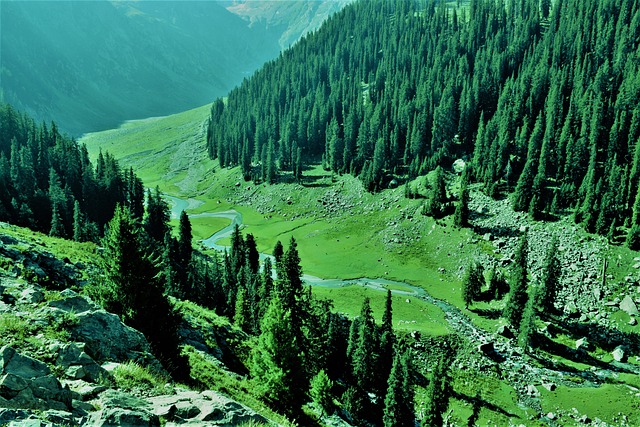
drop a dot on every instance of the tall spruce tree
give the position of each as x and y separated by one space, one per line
398 401
275 363
517 297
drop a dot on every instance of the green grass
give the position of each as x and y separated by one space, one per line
204 227
166 151
131 376
415 315
604 402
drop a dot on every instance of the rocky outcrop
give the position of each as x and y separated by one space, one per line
26 383
210 407
107 338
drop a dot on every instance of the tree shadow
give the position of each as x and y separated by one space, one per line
479 403
489 313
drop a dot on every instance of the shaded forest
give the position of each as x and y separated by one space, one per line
540 99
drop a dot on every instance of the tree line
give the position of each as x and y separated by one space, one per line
540 97
48 183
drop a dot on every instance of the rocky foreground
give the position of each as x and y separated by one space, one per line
61 353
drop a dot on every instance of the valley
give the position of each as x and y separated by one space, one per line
421 213
423 262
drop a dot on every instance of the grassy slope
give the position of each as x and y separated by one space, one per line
356 239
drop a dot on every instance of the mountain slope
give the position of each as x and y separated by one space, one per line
99 63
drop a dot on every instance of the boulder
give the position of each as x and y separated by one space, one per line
122 409
458 166
78 364
72 302
629 306
107 338
619 354
583 344
633 321
31 295
571 309
206 408
12 362
26 383
533 391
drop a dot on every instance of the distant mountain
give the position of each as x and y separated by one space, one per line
94 64
294 18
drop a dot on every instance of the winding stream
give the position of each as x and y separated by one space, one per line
515 367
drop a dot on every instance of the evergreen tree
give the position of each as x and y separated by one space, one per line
527 327
398 402
57 227
461 214
78 223
472 283
633 238
132 289
320 392
548 288
517 298
436 204
276 364
436 395
366 353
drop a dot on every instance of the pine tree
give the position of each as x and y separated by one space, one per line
436 204
276 364
472 283
527 327
366 352
436 395
633 238
320 392
132 289
461 214
517 298
57 227
548 288
79 234
398 402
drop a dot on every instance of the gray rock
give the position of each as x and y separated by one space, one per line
107 338
633 321
122 409
77 363
629 306
28 384
583 344
12 362
619 354
72 302
533 391
571 309
31 295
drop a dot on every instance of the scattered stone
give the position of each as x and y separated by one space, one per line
629 306
533 391
571 309
633 321
549 386
487 237
619 354
551 416
458 166
504 331
77 363
26 383
583 344
31 295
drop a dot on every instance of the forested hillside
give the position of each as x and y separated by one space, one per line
541 98
48 183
